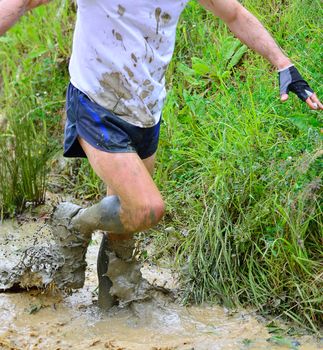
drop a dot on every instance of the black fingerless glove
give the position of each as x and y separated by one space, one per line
291 80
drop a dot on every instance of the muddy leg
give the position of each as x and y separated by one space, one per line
124 269
105 300
135 204
124 245
123 249
72 245
104 215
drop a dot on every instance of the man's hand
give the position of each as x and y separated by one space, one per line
251 32
291 80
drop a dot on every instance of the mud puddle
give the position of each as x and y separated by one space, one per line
32 320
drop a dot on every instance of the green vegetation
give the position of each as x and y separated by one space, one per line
241 173
34 57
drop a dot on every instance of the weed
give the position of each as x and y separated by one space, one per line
33 76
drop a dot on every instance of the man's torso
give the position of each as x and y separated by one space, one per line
121 51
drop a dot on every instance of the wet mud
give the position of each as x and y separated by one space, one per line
55 321
38 255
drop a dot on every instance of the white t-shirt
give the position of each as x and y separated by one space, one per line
121 50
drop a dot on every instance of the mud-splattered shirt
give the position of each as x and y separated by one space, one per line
121 50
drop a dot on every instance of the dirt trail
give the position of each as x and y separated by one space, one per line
32 320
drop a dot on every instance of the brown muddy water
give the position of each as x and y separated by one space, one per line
53 321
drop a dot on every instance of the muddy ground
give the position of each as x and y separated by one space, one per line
58 321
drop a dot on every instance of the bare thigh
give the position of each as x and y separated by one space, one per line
128 177
149 163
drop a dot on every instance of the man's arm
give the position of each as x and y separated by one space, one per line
250 31
12 10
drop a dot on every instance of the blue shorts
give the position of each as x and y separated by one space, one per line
103 129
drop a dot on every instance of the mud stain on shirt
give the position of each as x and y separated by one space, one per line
119 37
131 74
129 71
147 44
144 94
121 10
166 17
117 96
158 12
115 82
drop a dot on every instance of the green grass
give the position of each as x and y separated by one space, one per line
34 58
240 172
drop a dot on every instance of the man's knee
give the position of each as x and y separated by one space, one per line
145 216
156 212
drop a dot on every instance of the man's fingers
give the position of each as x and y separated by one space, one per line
284 97
311 104
314 103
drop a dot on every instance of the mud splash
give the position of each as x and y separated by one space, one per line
47 321
37 254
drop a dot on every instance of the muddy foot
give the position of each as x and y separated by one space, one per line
72 244
128 285
105 299
119 275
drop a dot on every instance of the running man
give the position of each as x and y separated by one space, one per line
121 50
